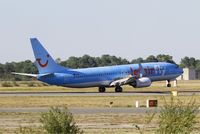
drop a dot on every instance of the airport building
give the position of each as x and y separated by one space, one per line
188 74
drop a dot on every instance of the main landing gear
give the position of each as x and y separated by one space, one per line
118 89
102 89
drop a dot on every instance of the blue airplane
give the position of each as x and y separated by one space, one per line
136 75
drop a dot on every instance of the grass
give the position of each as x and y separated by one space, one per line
83 101
90 123
7 84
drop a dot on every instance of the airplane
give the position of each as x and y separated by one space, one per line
136 75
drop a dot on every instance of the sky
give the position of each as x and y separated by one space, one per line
124 28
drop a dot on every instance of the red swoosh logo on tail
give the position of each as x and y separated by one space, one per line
42 65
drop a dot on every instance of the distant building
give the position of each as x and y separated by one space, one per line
188 74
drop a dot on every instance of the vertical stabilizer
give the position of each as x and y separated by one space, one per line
44 62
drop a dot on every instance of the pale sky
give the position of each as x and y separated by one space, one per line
124 28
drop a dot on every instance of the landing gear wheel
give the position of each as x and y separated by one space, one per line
118 89
102 89
169 85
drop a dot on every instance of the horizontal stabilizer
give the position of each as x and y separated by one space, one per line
46 75
25 74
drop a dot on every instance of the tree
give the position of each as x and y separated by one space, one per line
192 63
198 65
124 61
98 61
9 67
151 58
87 61
165 58
105 60
92 62
188 62
138 60
58 60
1 69
72 62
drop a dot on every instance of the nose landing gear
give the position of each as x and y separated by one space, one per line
168 83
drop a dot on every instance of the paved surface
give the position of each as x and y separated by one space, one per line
132 93
88 110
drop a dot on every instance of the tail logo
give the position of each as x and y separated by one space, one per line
43 65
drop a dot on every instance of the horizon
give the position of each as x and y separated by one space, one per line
99 57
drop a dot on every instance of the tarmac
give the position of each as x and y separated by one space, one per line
132 93
108 110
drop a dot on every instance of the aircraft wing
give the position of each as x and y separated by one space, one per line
122 81
25 74
130 78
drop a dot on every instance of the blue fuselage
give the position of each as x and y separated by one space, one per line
103 76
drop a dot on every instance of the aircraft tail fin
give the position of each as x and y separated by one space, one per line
44 62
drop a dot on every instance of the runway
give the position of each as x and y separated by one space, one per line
132 93
121 110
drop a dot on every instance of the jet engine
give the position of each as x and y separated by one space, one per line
141 82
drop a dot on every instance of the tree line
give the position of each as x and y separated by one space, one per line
89 61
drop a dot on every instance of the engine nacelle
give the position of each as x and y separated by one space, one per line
141 82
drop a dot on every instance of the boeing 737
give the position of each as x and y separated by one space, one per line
136 75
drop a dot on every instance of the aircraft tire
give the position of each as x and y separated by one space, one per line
169 85
118 89
102 89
